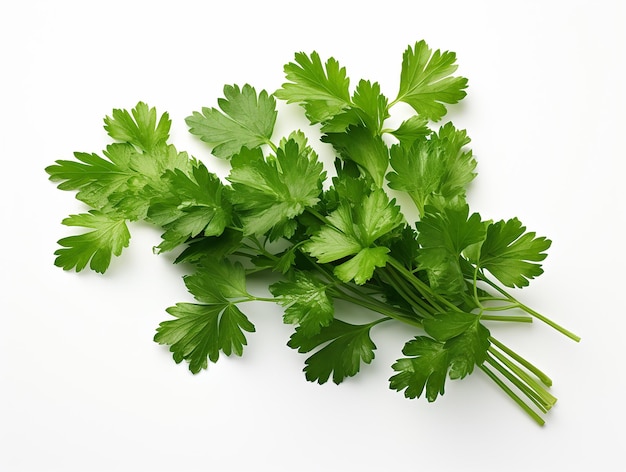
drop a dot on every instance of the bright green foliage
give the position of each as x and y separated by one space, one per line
109 236
460 164
442 272
344 347
119 187
353 231
458 343
433 171
139 127
322 89
217 280
369 108
201 331
269 193
195 204
443 236
369 151
360 268
445 326
124 181
412 129
211 248
418 171
246 120
426 369
511 254
425 81
306 302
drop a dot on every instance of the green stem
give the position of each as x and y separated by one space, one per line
532 413
517 382
547 381
358 292
530 311
547 400
319 216
399 285
375 306
433 298
549 322
508 318
271 145
500 308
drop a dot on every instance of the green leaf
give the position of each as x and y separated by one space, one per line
124 182
216 281
337 239
443 236
286 260
433 171
425 81
323 90
372 105
200 332
444 326
211 248
369 108
346 188
360 145
418 171
306 303
268 194
342 349
353 231
360 268
462 345
452 229
109 237
460 164
426 369
246 120
405 248
193 205
95 178
412 129
511 254
139 127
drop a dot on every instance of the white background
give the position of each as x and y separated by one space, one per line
84 388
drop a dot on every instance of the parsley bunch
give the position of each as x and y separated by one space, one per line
446 276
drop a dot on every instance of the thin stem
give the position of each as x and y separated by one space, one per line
360 293
432 297
399 284
271 145
532 413
521 386
508 318
500 308
547 399
397 100
318 215
375 306
532 312
475 286
549 322
547 381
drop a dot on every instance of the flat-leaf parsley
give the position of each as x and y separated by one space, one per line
444 276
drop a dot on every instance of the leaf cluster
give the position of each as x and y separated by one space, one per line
438 268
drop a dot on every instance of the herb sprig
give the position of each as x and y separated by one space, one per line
446 276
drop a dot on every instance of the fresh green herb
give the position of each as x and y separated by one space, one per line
445 275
